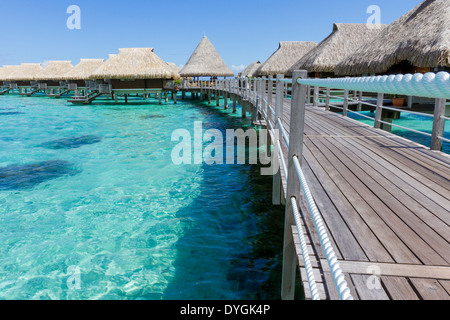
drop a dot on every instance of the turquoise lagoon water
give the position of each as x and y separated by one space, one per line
93 189
412 121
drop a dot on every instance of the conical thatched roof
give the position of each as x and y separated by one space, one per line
25 72
422 37
251 69
206 62
84 69
287 54
345 38
5 71
135 63
174 67
54 71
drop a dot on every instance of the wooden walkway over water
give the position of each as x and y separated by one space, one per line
385 202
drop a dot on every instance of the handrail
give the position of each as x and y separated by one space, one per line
336 271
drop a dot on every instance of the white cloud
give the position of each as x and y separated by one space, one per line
237 69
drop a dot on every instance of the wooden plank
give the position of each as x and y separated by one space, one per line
360 282
393 269
446 285
390 242
417 235
430 289
403 191
399 288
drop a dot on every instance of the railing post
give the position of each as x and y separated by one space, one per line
327 100
316 97
379 110
297 125
360 97
345 109
438 124
277 185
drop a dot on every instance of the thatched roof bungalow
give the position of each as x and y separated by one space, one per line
24 74
53 73
345 38
135 68
419 41
205 61
5 71
287 54
250 71
83 70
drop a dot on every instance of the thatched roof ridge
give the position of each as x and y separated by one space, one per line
345 38
287 54
84 69
54 71
421 36
135 63
205 61
251 69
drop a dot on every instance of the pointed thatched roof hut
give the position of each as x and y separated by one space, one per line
54 71
135 63
419 39
206 62
249 72
287 54
345 38
25 72
84 69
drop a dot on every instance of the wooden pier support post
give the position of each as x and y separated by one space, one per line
379 110
276 184
438 124
225 96
327 100
160 97
244 109
360 98
297 126
345 109
174 96
234 103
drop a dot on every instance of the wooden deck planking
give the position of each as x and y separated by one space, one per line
431 224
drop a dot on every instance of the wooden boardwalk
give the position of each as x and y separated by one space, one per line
385 201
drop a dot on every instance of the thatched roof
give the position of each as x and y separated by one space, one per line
422 37
5 71
25 72
206 62
84 69
174 67
251 69
54 71
287 54
345 38
135 63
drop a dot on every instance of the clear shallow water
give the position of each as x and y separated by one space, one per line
93 187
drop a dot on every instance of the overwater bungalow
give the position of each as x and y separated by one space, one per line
321 61
133 71
205 61
5 85
22 77
78 78
281 60
419 41
52 78
250 71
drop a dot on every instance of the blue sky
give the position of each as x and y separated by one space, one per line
242 31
